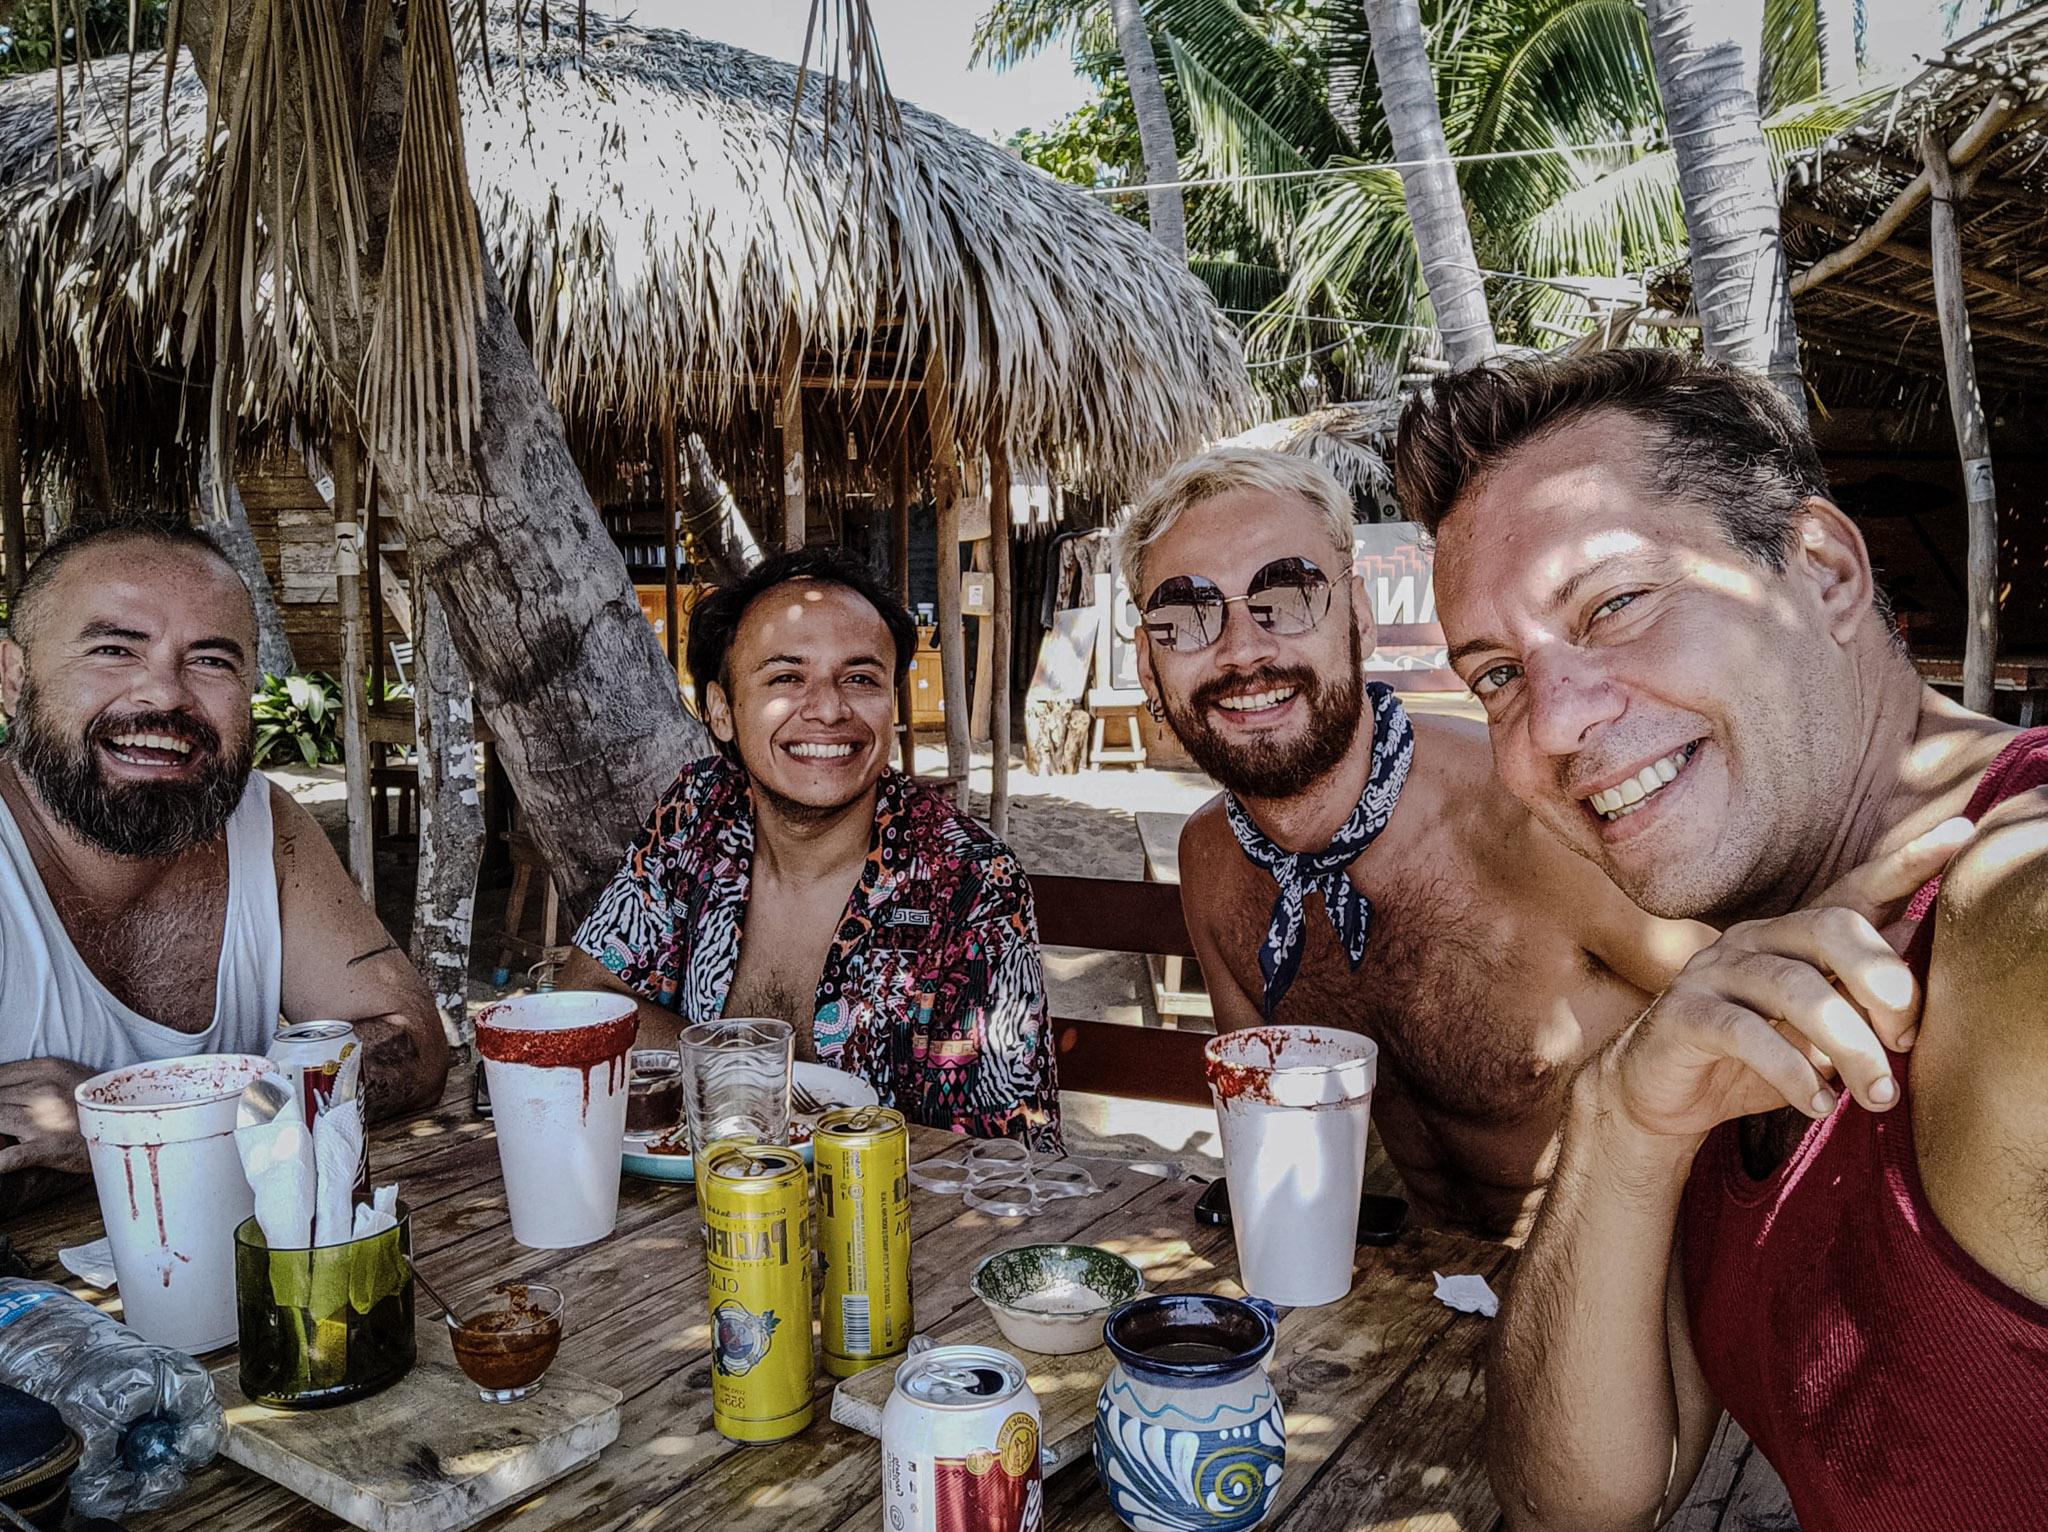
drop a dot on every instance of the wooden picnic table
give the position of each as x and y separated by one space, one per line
1382 1390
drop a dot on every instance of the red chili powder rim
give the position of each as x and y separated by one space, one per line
566 1048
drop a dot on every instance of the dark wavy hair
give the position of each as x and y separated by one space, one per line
715 619
1723 439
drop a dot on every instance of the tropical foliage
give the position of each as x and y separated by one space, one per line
297 716
1551 104
27 42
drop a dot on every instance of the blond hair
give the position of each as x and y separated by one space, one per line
1221 472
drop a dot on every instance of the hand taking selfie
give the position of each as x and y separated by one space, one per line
39 1118
1785 1011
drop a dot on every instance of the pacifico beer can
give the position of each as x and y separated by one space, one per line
755 1202
862 1156
309 1056
960 1445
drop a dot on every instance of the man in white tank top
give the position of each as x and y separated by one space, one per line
157 896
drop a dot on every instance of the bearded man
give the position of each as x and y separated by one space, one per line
158 897
1362 868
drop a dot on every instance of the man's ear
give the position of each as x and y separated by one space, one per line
13 666
1835 560
1362 614
1146 679
718 712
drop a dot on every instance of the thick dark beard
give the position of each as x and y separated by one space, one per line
151 820
1276 772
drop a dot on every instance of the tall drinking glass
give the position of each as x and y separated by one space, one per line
736 1080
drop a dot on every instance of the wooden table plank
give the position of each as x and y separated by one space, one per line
1382 1388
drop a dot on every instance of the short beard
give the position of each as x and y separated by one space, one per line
1279 771
144 820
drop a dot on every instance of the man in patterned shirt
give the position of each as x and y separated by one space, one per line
795 875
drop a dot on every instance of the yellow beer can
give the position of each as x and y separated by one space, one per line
755 1202
862 1155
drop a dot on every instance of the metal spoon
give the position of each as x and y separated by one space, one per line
447 1313
262 1099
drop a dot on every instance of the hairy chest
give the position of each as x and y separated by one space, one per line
1480 1014
160 954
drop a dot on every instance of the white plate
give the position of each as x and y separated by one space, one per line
834 1087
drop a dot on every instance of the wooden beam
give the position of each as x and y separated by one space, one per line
789 420
999 563
346 459
671 513
952 637
1898 250
1878 298
1972 142
13 529
899 570
1973 436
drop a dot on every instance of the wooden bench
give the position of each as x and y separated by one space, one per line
2026 674
1104 1057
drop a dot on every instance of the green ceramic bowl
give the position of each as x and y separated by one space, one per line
1052 1299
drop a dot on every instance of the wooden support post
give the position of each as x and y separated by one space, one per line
1004 603
98 463
451 813
13 530
952 638
671 514
984 655
1973 436
899 571
789 418
346 457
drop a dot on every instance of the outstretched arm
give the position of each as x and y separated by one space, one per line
1601 1418
340 964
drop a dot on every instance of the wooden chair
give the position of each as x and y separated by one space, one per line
1108 1058
551 953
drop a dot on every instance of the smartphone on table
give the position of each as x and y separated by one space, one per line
1380 1218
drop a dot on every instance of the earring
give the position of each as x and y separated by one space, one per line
1156 708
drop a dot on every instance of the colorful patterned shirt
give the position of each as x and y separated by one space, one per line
932 989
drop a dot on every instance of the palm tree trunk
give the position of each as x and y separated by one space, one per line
1834 25
1706 55
1155 127
712 517
225 521
451 816
1429 181
589 721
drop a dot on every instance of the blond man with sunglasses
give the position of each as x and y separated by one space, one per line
1363 868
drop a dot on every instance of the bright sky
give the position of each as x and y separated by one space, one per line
925 47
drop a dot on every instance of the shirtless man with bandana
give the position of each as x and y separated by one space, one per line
1365 869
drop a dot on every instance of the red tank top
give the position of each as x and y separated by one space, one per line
1894 1384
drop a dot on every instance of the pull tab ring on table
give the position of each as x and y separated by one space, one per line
1002 1178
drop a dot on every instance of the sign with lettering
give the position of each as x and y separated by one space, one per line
1398 569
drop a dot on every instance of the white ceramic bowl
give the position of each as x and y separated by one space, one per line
1052 1299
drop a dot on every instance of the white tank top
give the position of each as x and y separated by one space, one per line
53 1006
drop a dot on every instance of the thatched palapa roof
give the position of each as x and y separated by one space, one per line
659 241
1855 228
1353 441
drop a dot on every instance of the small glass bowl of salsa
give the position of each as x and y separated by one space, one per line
506 1336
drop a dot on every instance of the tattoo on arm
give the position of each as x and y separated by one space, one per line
373 952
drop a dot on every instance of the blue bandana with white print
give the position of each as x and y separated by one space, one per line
1300 873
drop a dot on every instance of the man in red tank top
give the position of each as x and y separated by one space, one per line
1810 1183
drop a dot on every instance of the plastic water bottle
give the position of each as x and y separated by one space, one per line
146 1413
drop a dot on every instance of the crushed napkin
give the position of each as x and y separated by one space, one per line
92 1264
378 1214
337 1151
1466 1294
277 1157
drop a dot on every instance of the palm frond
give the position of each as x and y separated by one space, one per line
1011 31
1232 140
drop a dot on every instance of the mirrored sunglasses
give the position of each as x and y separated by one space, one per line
1286 597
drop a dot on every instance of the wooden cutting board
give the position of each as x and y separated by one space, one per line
426 1454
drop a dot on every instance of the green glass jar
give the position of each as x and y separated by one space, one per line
325 1325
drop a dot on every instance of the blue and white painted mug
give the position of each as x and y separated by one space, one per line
1189 1433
